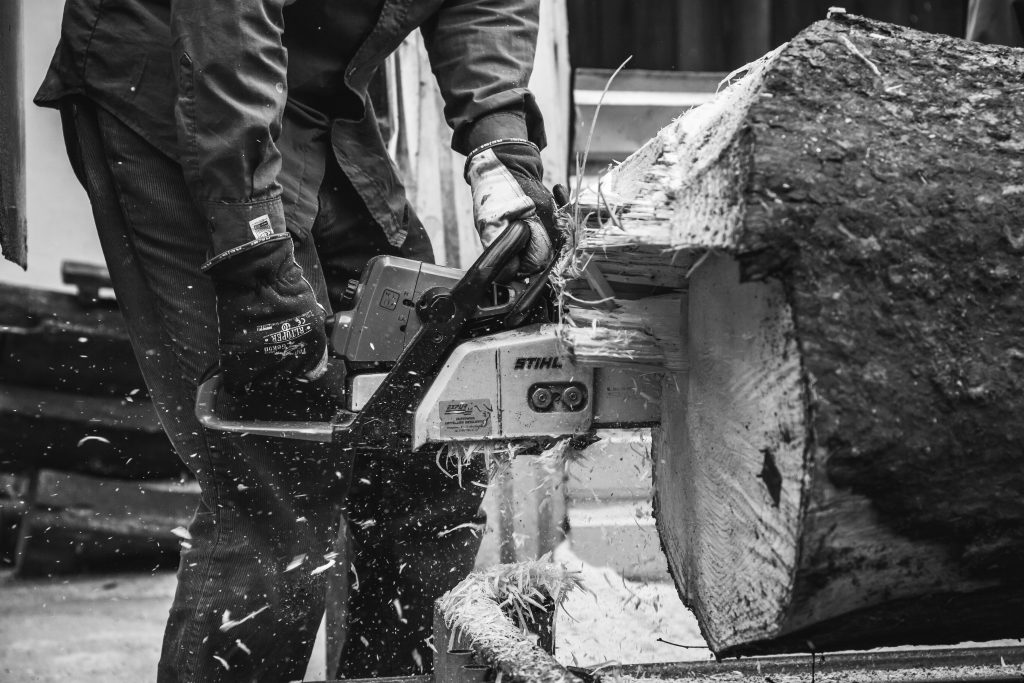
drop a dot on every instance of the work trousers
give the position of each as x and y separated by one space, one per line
252 576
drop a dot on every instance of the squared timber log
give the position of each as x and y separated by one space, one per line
841 457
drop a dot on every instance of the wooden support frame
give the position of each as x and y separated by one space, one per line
13 226
71 520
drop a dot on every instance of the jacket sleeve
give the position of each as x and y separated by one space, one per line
231 87
482 52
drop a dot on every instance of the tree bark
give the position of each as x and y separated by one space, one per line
842 463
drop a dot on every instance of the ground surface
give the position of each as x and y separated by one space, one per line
622 621
91 628
108 627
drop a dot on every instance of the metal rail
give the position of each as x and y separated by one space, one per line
976 665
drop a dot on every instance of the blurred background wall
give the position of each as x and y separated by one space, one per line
720 35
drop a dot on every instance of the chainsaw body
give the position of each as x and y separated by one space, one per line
517 385
380 314
438 355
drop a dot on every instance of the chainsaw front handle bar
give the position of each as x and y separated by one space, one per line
385 420
206 412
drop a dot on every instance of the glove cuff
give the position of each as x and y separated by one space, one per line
223 257
491 145
234 224
506 123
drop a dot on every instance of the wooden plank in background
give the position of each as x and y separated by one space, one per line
12 137
74 519
427 164
637 105
552 86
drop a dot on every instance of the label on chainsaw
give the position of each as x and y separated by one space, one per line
465 418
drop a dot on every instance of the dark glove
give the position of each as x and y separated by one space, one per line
506 180
271 325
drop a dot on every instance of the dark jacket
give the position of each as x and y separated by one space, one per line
242 92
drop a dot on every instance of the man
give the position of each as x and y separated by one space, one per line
238 176
1000 22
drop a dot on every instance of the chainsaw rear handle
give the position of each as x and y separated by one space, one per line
466 295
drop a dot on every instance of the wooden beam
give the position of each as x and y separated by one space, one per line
839 463
13 225
73 520
637 104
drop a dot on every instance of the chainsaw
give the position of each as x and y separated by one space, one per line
435 355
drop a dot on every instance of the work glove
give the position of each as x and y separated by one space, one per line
506 180
271 325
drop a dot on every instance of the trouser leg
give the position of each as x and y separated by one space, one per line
249 598
415 532
414 529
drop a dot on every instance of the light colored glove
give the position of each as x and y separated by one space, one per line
502 196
